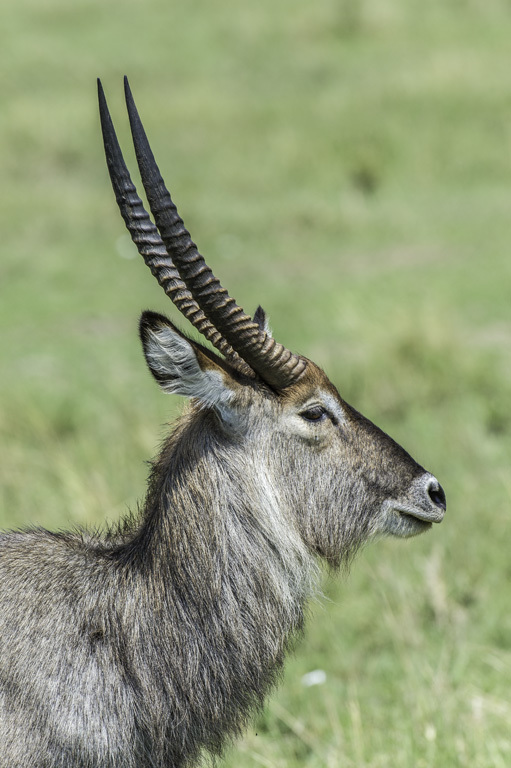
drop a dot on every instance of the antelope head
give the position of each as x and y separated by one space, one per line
338 477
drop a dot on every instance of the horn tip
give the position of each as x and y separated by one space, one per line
127 89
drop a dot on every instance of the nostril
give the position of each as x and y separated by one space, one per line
437 495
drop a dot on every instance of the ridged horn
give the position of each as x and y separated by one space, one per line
149 243
274 363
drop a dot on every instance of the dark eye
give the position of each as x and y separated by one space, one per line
317 413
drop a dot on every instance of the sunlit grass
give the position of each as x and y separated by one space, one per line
348 166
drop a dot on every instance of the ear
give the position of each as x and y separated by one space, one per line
181 366
261 318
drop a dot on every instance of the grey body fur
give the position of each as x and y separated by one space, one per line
139 650
150 644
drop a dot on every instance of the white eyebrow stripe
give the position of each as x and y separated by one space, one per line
334 406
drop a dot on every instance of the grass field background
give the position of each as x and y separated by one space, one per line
348 165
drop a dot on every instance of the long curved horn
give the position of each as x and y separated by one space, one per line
272 361
149 243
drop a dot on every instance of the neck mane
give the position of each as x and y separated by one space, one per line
223 577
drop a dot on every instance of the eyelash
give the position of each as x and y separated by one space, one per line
315 414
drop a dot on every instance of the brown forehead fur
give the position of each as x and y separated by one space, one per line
312 379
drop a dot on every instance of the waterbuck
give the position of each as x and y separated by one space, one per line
153 643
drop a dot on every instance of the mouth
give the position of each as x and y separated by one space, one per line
405 521
417 514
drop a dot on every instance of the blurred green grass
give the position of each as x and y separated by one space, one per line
348 165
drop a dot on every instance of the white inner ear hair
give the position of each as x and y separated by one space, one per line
174 361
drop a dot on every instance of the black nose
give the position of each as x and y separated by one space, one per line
437 495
